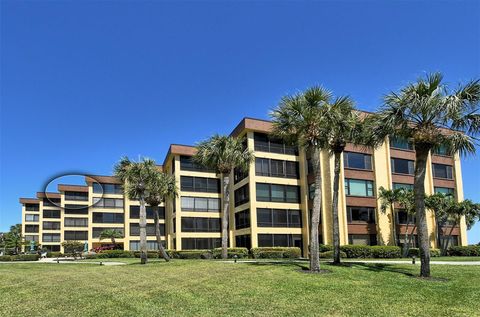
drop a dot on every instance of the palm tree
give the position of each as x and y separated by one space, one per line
159 188
457 210
223 154
432 116
136 176
406 200
111 234
298 120
439 204
388 198
14 238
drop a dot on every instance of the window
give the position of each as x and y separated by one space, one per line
200 184
276 168
441 150
76 209
399 143
107 188
135 212
241 195
403 218
31 237
188 164
362 239
31 228
442 171
286 218
107 202
107 217
51 213
402 186
200 243
361 214
358 187
96 231
75 222
31 218
76 235
402 166
200 204
242 219
51 248
53 202
278 193
280 240
357 160
151 230
239 175
448 241
32 207
200 224
51 237
151 245
51 225
243 241
76 196
265 143
445 190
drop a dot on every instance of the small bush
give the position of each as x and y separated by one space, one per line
471 250
435 252
54 254
114 254
325 248
386 252
276 252
191 254
91 256
150 254
241 253
5 258
357 251
329 254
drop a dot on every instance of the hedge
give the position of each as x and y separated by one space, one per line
357 251
324 248
329 254
470 250
20 257
54 254
114 254
276 253
241 253
416 252
386 252
150 254
191 254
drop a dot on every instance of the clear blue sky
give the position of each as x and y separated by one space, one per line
85 83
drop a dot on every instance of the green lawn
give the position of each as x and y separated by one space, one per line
212 288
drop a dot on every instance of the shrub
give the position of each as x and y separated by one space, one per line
54 254
150 254
384 252
276 252
416 252
191 254
471 250
114 254
357 251
435 252
5 258
329 254
325 248
241 253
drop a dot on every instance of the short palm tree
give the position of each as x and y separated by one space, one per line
439 204
455 212
111 234
136 176
161 187
224 154
406 200
14 238
298 120
432 116
388 198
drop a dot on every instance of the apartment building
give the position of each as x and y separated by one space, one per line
271 204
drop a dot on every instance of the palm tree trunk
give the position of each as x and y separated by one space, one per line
226 212
336 226
143 231
158 234
317 204
406 243
441 238
421 156
394 224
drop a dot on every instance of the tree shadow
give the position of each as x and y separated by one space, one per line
302 267
383 267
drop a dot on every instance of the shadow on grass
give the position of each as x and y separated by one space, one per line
382 267
304 268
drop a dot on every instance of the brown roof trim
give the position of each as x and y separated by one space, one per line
29 201
73 188
48 195
247 123
89 179
180 149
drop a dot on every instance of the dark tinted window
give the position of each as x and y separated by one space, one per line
358 160
76 235
32 207
51 237
200 243
399 143
442 171
51 213
200 184
265 143
75 222
361 214
200 224
402 166
76 196
200 204
31 228
243 241
242 219
276 168
278 193
51 225
403 218
241 195
280 240
135 229
188 164
107 217
287 218
135 212
76 209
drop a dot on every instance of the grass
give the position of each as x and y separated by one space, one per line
208 288
434 259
